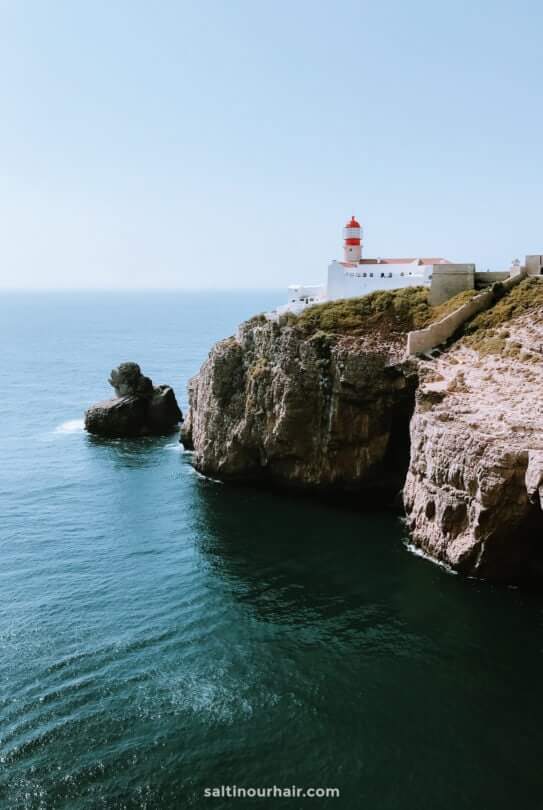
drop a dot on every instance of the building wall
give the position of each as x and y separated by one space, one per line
450 279
348 283
299 296
297 292
534 265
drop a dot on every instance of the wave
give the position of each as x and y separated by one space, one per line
418 552
203 477
177 447
71 426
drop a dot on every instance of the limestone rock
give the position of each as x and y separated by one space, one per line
138 409
119 417
473 493
163 412
317 412
279 406
127 380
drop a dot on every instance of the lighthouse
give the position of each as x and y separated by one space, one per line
355 276
352 235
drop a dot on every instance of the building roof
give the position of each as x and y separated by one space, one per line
432 260
419 262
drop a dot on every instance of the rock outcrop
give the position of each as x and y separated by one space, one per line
474 490
139 408
309 411
291 404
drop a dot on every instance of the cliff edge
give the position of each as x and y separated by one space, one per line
320 402
474 490
326 401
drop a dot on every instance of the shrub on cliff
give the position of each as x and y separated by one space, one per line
485 332
383 312
396 310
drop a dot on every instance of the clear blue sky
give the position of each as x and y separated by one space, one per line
224 144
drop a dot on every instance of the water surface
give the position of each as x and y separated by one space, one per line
161 633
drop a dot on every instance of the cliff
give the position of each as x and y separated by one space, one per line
290 404
326 402
474 488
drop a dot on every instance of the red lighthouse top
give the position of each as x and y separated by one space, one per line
353 223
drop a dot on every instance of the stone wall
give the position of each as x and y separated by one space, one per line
424 340
534 265
485 279
450 279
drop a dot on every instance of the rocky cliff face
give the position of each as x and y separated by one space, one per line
316 412
330 411
474 490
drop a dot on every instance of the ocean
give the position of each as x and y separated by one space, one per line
162 635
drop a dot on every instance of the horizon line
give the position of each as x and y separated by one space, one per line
4 290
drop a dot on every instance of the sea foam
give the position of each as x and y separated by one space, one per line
419 552
71 426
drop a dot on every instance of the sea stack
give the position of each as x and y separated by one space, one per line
139 408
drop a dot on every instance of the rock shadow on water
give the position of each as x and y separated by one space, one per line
144 451
331 576
309 567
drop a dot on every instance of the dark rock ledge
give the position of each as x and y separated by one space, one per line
138 409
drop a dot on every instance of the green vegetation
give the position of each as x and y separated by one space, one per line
449 306
383 312
257 319
525 296
321 343
395 312
486 332
259 368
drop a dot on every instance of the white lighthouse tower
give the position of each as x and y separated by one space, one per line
352 235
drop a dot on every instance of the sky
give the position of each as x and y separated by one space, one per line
225 144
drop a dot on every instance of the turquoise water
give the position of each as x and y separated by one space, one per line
161 633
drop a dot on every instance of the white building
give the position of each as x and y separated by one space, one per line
355 276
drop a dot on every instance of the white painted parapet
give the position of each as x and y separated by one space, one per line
424 340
